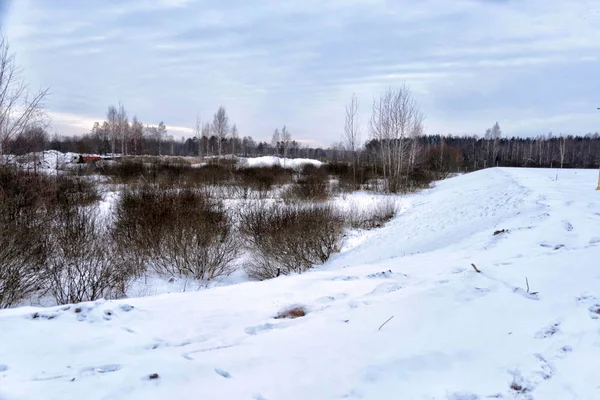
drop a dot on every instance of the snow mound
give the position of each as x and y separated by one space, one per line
269 161
402 315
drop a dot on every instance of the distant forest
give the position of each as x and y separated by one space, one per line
465 153
387 142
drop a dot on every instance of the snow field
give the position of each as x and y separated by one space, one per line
455 334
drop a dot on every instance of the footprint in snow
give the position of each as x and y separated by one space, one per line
344 278
568 226
463 396
387 287
254 330
595 311
103 369
329 299
223 373
3 368
382 274
563 351
548 331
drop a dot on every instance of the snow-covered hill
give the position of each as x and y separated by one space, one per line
453 334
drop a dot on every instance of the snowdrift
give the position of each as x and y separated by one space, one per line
402 316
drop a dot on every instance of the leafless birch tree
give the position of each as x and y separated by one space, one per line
20 109
221 127
352 132
396 119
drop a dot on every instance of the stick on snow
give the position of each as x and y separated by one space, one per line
388 320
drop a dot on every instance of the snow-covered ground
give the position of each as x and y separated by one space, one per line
453 334
268 161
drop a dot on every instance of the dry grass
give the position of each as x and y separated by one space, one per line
291 313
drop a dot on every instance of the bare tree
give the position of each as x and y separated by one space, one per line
275 140
161 132
137 134
123 128
396 119
234 137
352 132
496 134
286 141
221 127
198 133
20 109
113 130
206 135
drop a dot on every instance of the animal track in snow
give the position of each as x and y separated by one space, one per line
254 330
344 278
387 287
548 331
3 368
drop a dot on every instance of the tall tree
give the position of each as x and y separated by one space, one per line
198 134
20 109
275 140
234 137
286 141
113 127
396 120
123 128
220 127
137 135
206 136
161 133
352 132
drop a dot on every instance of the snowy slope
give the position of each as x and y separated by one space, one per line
455 334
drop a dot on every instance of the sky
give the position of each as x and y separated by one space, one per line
531 65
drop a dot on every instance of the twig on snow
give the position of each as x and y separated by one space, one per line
527 283
388 320
475 268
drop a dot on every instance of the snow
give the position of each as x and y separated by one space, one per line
455 334
268 161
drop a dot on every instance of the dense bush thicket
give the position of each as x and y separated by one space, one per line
169 219
176 232
289 238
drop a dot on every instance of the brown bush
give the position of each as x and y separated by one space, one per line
263 179
83 266
371 217
289 238
312 184
30 205
178 232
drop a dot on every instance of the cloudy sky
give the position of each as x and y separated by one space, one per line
531 65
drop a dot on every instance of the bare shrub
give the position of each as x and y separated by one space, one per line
23 245
213 174
74 191
23 253
289 238
82 265
178 232
374 216
128 171
263 179
312 184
